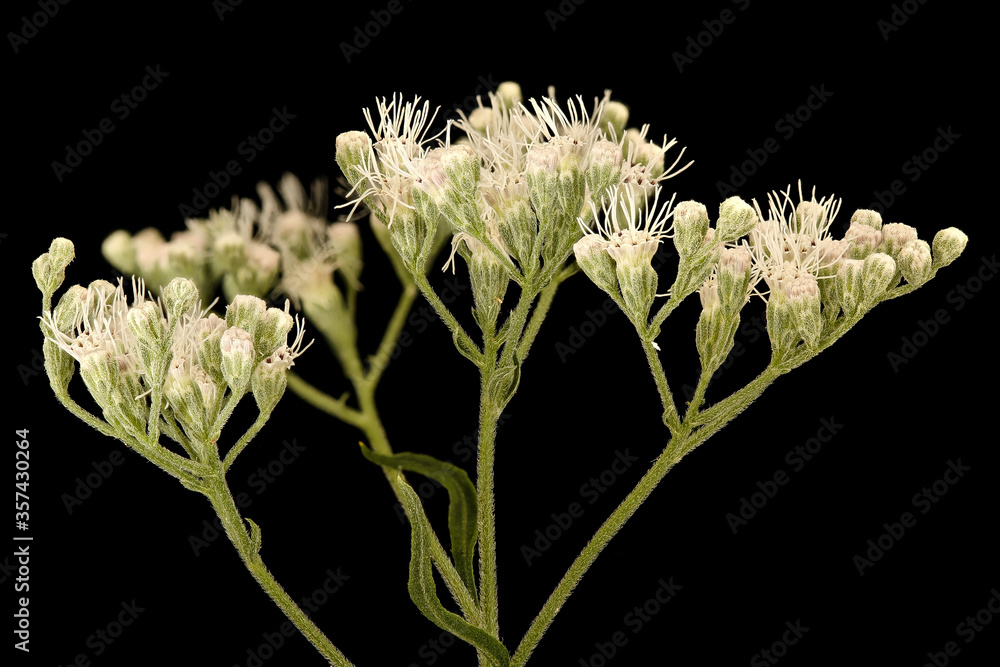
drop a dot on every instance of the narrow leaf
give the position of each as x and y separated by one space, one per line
463 525
423 589
254 536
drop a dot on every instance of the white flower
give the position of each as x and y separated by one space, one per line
631 231
793 240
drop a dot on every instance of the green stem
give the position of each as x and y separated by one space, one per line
488 416
670 456
670 416
442 310
537 316
379 361
222 502
320 399
245 440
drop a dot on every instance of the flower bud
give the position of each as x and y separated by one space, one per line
592 256
733 275
150 332
273 329
781 328
461 165
518 228
716 328
736 218
809 215
49 269
604 168
269 380
293 233
70 308
180 296
915 262
412 236
41 269
480 117
61 253
948 245
540 173
245 312
615 114
208 337
690 227
868 218
345 240
488 279
509 94
119 251
258 275
849 285
877 275
185 399
238 358
99 371
572 187
352 154
895 235
804 303
229 251
150 252
864 240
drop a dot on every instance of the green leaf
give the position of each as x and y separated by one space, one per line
463 523
466 347
423 589
504 382
254 536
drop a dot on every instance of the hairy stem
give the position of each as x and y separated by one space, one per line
222 502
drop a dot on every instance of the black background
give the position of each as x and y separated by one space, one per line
330 509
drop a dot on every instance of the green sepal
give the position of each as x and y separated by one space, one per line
462 508
423 590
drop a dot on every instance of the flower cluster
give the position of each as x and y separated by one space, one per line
283 244
131 356
812 278
516 183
